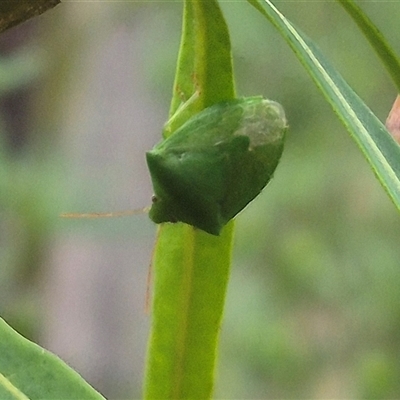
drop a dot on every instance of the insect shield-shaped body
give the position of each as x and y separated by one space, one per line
216 163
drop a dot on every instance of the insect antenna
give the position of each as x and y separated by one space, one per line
106 214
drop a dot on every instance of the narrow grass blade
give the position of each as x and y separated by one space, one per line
376 39
379 148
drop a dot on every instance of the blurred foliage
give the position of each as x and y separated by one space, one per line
318 250
23 225
313 308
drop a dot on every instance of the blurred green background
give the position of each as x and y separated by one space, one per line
313 308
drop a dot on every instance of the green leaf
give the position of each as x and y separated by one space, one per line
189 293
204 69
27 371
191 267
378 147
376 39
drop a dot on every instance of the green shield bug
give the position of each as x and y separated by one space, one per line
216 163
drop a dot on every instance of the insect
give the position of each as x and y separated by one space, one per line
216 163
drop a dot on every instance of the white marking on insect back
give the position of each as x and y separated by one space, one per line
263 122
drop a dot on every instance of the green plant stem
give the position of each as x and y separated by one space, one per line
191 267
